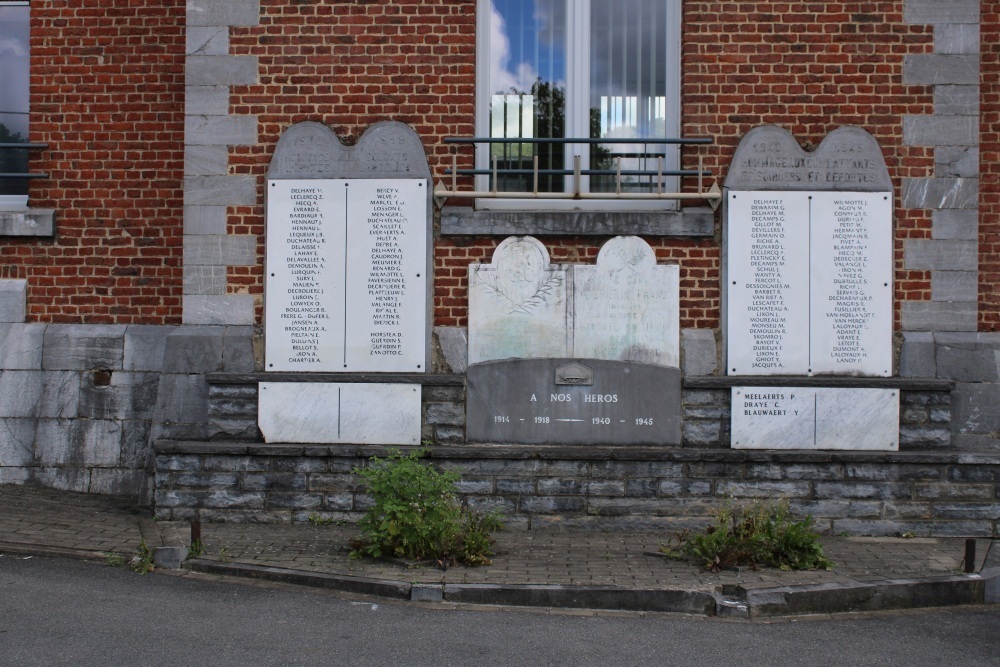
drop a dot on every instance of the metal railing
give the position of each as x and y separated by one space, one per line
713 194
20 174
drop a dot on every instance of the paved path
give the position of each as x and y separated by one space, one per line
62 523
578 558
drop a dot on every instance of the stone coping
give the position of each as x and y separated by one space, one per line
406 378
689 221
835 381
556 452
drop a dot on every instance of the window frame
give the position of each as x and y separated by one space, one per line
18 202
578 14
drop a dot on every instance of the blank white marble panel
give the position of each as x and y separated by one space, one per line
326 412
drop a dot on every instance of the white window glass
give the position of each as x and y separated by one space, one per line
13 101
578 69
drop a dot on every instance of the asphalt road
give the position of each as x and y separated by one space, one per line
57 612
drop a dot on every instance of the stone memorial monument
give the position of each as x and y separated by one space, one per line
347 289
808 280
573 354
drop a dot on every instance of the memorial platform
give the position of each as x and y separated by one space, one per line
549 569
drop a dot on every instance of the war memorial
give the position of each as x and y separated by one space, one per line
332 251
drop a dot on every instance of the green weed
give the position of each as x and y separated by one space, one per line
759 533
416 515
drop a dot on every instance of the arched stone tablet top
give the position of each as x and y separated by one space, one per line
520 249
387 149
848 159
626 252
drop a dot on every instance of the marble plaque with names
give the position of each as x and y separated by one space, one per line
768 304
851 281
346 283
518 304
815 418
625 307
323 412
809 283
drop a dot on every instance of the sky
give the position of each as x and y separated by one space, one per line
14 69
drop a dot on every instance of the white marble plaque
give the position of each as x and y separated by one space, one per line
518 304
768 304
321 412
346 275
626 306
810 283
815 418
851 283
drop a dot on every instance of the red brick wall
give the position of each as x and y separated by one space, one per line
349 65
810 67
116 143
989 185
107 86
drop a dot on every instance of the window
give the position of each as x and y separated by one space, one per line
598 69
13 103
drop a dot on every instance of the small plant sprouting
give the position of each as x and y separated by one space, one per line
197 549
115 559
317 519
142 562
760 533
224 554
415 515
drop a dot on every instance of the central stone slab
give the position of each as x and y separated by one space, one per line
573 401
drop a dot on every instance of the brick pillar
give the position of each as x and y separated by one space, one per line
209 189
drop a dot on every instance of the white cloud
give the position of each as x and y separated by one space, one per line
503 75
12 47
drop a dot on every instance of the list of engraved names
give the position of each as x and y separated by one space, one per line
809 283
769 282
346 275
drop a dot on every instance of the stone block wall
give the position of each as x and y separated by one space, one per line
81 405
924 493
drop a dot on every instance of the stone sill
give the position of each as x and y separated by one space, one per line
381 378
831 381
562 452
692 221
30 222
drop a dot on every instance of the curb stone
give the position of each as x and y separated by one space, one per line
741 603
944 591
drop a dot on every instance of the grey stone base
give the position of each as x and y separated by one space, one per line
860 493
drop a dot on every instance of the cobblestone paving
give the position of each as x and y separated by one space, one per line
68 520
30 516
580 558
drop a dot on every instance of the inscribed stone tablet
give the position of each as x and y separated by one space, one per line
626 307
815 418
573 401
809 283
851 283
314 412
768 295
518 304
346 275
769 158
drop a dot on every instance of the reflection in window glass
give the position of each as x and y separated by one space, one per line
528 88
619 91
14 100
628 87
